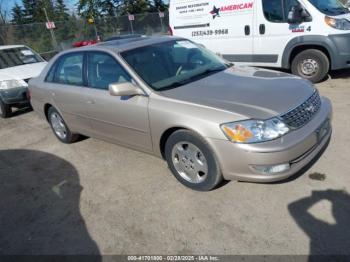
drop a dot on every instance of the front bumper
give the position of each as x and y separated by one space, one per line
15 96
298 148
341 54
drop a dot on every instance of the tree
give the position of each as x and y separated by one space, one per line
89 8
17 15
135 6
158 5
61 11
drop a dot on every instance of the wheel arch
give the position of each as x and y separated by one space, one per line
47 106
166 134
301 43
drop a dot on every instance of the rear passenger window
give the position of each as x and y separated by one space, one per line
70 70
103 70
273 10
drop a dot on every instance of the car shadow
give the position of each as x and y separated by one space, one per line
340 74
39 203
20 111
328 241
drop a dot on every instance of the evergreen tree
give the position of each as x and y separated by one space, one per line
17 15
61 11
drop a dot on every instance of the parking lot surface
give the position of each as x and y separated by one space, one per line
92 197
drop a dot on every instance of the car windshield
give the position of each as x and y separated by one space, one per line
330 7
171 64
11 57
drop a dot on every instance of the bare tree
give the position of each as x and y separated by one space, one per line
3 23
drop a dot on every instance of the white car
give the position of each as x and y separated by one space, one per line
310 37
18 64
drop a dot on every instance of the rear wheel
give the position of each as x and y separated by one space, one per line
311 64
192 161
60 128
5 110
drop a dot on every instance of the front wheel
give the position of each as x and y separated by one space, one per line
311 64
60 128
192 161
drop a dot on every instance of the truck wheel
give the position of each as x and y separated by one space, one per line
5 110
60 128
311 64
192 161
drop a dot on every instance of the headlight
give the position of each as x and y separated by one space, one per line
13 83
254 131
341 24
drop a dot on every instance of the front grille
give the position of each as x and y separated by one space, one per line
302 114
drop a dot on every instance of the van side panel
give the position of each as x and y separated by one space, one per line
225 27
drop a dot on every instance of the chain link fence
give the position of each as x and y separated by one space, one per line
38 37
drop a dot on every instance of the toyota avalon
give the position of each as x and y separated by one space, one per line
208 118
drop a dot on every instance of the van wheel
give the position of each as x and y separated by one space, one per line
192 161
60 128
5 110
311 64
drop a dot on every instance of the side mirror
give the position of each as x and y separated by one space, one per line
124 89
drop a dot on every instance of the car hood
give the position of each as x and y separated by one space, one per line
250 92
22 71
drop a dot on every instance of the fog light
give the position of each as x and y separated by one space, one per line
268 170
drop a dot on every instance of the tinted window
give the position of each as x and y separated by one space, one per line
273 10
70 69
103 70
11 57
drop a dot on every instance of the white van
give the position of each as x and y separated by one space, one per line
310 37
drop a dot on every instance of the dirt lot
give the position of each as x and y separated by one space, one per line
95 197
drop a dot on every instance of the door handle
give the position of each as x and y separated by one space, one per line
247 30
90 102
262 29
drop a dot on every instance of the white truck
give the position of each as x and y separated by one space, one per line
310 37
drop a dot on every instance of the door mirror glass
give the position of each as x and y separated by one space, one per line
124 89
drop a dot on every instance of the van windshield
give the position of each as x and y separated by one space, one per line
330 7
174 63
11 57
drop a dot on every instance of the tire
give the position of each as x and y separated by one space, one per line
5 110
60 128
311 64
201 170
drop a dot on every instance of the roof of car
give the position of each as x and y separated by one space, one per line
121 45
10 46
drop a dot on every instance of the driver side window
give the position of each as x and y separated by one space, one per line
276 11
103 70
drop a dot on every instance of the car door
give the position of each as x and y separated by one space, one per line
65 84
123 120
273 32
